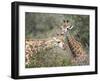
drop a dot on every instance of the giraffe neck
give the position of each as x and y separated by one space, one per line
78 53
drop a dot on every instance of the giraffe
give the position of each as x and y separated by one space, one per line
79 56
35 46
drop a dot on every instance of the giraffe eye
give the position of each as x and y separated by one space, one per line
58 41
62 34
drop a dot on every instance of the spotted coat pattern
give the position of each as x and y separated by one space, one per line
34 46
79 56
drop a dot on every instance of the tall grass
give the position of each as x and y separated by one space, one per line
52 57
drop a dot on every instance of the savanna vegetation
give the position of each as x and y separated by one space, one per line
47 25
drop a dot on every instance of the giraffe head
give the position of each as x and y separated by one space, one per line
59 42
64 30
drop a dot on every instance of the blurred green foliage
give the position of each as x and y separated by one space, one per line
50 58
45 25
